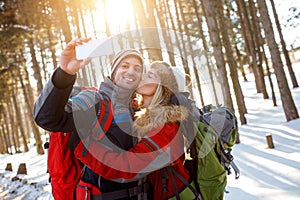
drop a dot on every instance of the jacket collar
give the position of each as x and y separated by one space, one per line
157 117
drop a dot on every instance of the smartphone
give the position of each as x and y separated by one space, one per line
94 48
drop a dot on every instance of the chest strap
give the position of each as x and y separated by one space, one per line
130 192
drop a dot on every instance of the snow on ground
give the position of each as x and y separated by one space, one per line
266 174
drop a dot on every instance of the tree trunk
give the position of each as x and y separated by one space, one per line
19 123
261 43
29 107
162 17
206 50
231 62
108 33
52 48
208 10
4 138
190 48
35 66
283 46
43 61
80 16
149 29
3 144
270 79
12 125
177 44
256 32
241 61
246 29
61 9
6 127
289 107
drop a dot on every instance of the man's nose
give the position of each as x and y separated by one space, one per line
130 69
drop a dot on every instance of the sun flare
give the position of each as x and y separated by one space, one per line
119 13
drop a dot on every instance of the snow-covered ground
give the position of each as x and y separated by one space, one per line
266 174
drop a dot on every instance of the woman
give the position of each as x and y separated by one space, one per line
160 150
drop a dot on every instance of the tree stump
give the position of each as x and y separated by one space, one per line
22 169
270 141
8 167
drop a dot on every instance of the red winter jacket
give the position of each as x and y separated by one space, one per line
162 146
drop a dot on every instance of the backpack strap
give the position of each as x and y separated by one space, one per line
227 160
174 184
102 122
186 183
123 193
164 179
104 118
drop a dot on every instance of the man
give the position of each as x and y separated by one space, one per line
54 111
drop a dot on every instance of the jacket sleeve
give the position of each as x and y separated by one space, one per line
49 109
156 150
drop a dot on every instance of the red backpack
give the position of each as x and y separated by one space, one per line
63 167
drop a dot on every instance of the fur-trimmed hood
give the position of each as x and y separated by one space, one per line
157 117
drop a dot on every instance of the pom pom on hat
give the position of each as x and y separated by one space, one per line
123 54
180 78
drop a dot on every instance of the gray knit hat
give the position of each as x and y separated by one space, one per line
123 54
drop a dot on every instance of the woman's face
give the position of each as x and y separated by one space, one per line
149 83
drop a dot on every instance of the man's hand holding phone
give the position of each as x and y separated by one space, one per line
68 61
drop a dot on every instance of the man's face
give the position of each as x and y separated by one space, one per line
128 73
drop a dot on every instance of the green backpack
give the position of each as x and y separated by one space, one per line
210 151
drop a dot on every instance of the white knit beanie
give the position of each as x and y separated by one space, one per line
123 54
180 78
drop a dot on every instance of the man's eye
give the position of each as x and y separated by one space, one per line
138 69
125 66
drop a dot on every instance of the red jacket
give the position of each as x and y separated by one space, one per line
162 146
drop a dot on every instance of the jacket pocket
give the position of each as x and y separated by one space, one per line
84 190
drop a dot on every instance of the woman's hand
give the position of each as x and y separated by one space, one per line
68 61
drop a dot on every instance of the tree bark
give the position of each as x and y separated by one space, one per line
61 9
162 17
190 48
35 66
206 50
246 28
29 107
283 46
11 125
288 104
231 62
3 145
208 10
18 123
149 28
8 120
256 32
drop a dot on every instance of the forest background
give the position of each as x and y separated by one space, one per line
216 42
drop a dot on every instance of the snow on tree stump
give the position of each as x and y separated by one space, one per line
8 167
270 141
22 169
